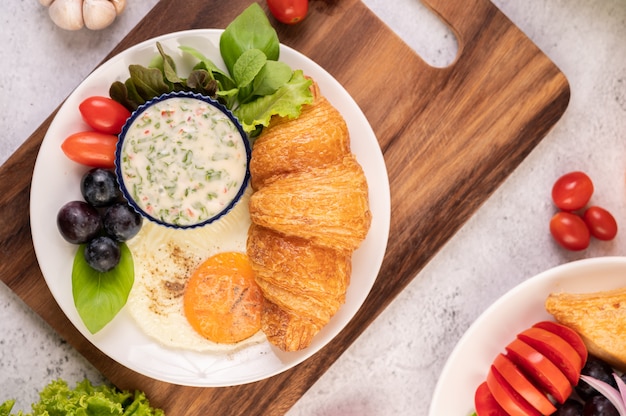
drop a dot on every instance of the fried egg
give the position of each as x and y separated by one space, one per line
165 258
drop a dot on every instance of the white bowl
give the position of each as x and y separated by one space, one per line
515 311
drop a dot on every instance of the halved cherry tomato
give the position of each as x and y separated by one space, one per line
572 191
556 349
520 383
485 403
104 114
507 397
91 148
540 369
601 223
568 334
570 231
288 11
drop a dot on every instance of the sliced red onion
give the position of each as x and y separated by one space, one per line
608 391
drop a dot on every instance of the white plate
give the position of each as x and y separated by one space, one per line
517 310
56 181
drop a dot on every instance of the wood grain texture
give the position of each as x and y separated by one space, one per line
449 137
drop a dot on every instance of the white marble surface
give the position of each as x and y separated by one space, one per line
393 367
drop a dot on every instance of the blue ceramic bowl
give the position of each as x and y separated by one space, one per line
182 160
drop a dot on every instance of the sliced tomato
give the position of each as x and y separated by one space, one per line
485 404
568 334
91 148
511 401
522 385
556 349
539 369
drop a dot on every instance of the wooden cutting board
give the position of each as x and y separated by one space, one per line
449 137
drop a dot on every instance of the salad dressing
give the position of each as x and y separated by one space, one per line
183 161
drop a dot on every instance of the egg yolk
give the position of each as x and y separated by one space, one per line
222 301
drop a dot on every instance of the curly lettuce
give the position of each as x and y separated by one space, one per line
57 399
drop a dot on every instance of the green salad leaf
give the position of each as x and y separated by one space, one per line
98 296
250 30
255 85
281 103
5 408
57 399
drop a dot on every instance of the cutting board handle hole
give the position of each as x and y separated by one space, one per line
429 36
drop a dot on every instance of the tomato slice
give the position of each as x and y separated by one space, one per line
556 349
520 383
485 404
539 369
568 334
507 397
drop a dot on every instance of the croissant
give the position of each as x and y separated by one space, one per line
306 281
327 205
318 138
599 318
309 211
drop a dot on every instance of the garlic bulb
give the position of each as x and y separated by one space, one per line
92 14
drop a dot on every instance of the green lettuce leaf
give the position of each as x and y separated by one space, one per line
287 101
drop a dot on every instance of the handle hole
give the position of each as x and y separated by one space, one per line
425 32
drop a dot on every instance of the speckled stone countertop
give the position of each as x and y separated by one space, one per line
392 369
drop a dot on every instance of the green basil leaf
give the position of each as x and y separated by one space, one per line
272 76
250 30
248 66
98 297
287 101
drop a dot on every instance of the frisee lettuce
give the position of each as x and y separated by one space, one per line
57 399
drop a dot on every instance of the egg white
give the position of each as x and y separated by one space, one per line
164 259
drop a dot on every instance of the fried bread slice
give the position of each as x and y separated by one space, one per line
598 317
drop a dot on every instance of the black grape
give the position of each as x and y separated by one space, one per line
99 187
570 408
78 222
121 221
599 406
596 368
102 253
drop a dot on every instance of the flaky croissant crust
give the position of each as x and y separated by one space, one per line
309 212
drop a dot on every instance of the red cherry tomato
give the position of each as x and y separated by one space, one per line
570 231
485 403
572 191
91 148
288 11
601 223
104 114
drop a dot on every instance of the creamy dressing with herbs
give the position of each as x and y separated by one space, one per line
183 161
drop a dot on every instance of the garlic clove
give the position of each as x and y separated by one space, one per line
45 2
67 14
98 14
120 5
